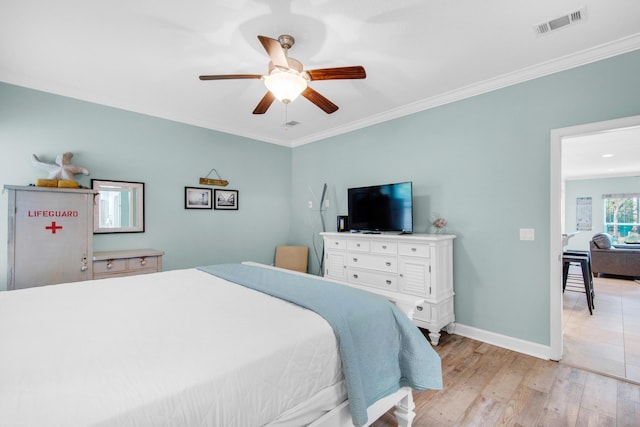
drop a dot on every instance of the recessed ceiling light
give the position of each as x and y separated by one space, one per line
607 155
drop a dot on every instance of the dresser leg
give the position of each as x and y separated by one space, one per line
435 337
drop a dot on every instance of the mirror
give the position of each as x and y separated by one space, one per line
119 207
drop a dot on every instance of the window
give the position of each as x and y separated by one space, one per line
621 217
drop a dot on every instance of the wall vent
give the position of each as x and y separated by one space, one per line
561 22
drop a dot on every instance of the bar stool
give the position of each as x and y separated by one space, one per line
584 260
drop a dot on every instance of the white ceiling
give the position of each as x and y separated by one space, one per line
146 56
608 154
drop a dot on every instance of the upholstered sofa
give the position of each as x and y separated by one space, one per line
618 260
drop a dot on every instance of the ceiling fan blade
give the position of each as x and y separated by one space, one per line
275 51
355 72
322 102
231 76
264 103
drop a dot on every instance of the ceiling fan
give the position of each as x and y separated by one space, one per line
286 78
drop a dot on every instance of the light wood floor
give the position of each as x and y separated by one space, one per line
608 341
485 385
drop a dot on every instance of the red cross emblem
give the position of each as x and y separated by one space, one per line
53 227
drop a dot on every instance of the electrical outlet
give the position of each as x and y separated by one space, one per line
326 203
310 204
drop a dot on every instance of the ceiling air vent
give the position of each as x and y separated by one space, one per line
561 21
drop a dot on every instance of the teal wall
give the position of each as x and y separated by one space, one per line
593 188
166 156
484 164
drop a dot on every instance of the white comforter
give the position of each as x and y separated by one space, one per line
179 348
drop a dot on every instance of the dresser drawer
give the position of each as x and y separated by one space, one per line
336 244
358 245
410 249
126 262
374 262
390 248
423 312
388 282
149 262
109 266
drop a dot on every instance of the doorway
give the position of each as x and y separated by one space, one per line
556 218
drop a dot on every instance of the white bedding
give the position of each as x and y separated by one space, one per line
178 348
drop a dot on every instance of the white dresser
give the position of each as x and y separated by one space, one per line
419 265
126 262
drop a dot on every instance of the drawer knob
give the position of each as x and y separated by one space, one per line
355 276
143 261
384 246
413 249
388 264
358 244
355 260
419 308
109 264
388 282
336 243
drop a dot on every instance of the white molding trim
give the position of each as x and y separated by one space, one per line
574 60
555 224
521 346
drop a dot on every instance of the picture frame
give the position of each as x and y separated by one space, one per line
197 198
225 199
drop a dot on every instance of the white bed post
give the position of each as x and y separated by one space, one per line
405 411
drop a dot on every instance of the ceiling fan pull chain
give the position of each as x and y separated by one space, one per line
285 116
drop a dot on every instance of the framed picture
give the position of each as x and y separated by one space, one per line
197 198
226 199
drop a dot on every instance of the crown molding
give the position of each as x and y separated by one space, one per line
584 57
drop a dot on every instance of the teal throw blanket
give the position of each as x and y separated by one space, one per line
380 347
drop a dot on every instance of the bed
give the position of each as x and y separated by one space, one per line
195 347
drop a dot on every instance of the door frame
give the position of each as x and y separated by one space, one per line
555 222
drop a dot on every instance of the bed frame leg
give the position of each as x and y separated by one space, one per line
405 411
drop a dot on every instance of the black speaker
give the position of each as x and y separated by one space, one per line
343 223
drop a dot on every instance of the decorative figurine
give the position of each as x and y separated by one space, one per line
62 169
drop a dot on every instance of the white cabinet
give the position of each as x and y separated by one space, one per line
50 236
126 263
419 265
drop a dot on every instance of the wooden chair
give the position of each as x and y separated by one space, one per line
292 257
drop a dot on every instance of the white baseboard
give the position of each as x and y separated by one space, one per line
526 347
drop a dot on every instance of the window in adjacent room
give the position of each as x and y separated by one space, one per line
621 217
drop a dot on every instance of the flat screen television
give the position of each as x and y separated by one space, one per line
381 208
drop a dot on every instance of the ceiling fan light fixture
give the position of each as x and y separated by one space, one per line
285 85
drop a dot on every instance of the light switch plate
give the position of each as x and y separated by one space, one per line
527 234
